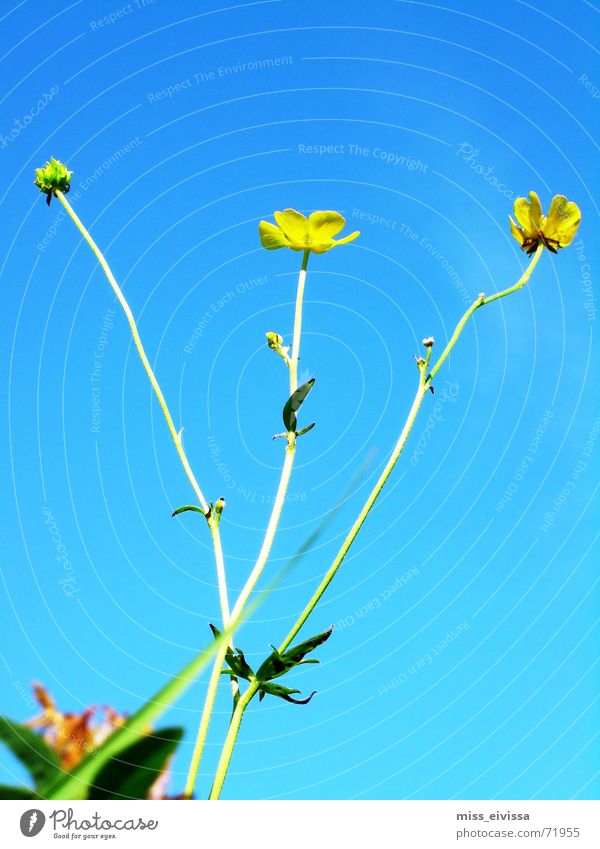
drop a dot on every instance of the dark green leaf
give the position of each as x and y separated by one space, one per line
274 666
134 771
278 664
29 747
297 653
9 792
306 429
283 693
238 667
186 508
294 403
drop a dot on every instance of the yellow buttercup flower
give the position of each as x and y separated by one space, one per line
555 230
300 233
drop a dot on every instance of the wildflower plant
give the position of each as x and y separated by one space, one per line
314 234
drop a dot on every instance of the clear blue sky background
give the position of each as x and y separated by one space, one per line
476 677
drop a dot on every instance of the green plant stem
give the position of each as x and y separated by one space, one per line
175 435
265 550
295 355
480 302
290 452
425 378
230 740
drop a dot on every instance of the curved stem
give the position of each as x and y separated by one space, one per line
480 302
140 348
424 385
175 435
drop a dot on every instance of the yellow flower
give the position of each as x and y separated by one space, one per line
300 233
556 230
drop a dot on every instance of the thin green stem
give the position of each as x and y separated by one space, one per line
140 348
424 385
265 550
230 741
209 702
337 562
295 355
480 302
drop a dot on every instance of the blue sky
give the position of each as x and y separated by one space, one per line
464 659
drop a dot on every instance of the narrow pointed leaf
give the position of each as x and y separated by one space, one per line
294 403
297 653
187 507
285 693
306 429
236 662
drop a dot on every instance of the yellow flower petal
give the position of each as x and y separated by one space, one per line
529 214
347 239
294 225
271 237
522 213
516 231
562 221
535 212
324 225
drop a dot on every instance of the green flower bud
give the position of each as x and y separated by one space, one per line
53 177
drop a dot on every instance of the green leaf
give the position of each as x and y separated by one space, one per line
294 403
297 653
278 664
134 771
238 667
9 792
283 693
75 784
29 747
186 508
306 429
